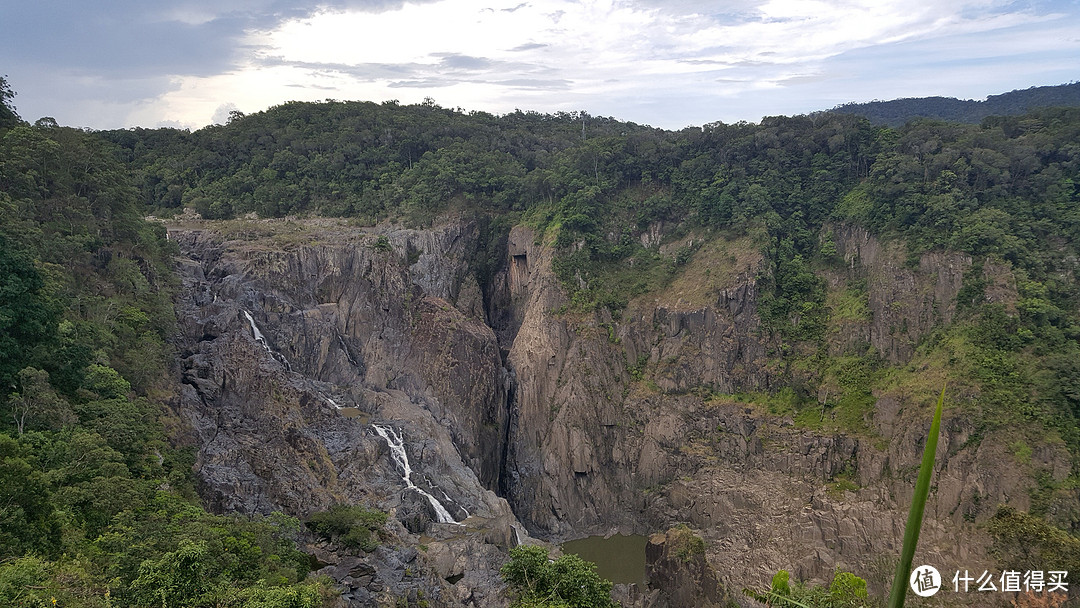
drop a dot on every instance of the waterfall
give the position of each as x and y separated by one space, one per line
345 349
448 499
262 340
258 334
397 452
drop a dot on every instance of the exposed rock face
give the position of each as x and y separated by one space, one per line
906 301
592 450
675 564
275 340
583 422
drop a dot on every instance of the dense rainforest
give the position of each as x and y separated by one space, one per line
98 507
1005 190
896 112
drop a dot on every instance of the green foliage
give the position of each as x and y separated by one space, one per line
8 116
106 382
25 583
382 244
844 482
997 107
569 581
28 521
28 317
170 546
96 509
350 525
918 505
685 544
845 591
178 578
35 405
793 297
852 304
1027 542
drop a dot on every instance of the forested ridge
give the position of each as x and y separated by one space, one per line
98 508
899 111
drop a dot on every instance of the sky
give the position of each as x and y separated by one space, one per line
670 64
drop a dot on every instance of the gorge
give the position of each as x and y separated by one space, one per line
534 422
347 354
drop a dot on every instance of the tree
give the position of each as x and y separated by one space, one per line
177 579
8 116
569 581
28 522
37 404
27 316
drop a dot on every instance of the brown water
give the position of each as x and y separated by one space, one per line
620 559
352 412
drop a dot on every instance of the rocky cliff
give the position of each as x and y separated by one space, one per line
616 423
290 350
583 422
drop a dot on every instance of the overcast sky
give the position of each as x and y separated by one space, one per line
670 64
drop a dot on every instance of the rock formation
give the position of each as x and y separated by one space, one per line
519 415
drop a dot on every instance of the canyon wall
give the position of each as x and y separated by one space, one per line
516 410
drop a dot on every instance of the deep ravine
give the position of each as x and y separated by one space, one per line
524 418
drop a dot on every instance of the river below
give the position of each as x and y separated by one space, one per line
618 558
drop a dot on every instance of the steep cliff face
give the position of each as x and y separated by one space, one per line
907 297
289 351
583 422
580 438
609 431
677 566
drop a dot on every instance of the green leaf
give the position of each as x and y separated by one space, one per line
918 505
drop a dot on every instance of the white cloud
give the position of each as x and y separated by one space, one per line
664 63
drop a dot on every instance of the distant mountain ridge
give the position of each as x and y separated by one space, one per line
899 111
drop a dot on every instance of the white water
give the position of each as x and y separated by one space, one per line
262 340
448 499
258 334
397 452
345 349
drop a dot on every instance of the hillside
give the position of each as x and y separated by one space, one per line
1021 101
567 324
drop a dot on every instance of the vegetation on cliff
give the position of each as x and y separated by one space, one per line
628 208
97 508
567 582
1005 192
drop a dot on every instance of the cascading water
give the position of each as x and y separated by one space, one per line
255 330
262 340
397 452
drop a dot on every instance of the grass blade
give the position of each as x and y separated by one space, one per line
768 597
915 516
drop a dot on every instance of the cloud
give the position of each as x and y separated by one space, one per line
454 61
430 83
221 114
664 62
